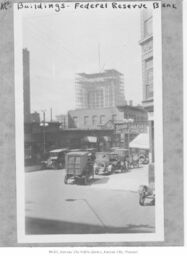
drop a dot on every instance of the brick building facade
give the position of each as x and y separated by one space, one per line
98 118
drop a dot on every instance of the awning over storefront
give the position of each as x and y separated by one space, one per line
90 139
141 141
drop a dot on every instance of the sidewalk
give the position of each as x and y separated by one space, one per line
32 168
124 181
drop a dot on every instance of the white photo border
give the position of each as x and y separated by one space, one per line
158 122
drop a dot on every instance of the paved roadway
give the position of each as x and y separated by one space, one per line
108 205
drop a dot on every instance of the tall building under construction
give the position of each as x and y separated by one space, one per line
100 90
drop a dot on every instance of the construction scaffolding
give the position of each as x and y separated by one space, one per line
99 90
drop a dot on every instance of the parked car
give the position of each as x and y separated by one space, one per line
78 167
75 150
91 153
143 159
133 161
123 156
56 159
107 162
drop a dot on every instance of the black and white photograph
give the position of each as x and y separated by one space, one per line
88 106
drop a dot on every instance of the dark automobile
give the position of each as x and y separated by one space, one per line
108 163
78 167
56 159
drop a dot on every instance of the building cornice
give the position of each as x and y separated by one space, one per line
146 39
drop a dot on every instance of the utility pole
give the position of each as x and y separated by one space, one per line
51 112
44 132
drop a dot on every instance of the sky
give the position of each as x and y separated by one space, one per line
63 44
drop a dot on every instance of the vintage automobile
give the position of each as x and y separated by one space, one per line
90 150
143 158
75 150
107 163
123 156
121 152
56 159
133 161
79 167
91 153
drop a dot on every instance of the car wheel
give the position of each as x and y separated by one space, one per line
66 179
86 180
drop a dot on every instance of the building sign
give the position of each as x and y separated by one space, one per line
131 128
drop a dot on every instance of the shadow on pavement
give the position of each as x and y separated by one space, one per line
39 169
33 168
102 180
38 226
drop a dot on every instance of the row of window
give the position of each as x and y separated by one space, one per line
94 120
148 27
98 97
148 75
95 99
149 78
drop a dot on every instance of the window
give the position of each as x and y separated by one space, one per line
149 91
95 99
102 119
86 120
75 121
109 96
99 98
149 63
94 120
149 78
148 46
148 27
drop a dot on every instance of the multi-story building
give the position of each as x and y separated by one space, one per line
146 43
134 122
111 118
93 118
100 90
98 118
26 85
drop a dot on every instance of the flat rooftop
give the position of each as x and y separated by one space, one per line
106 73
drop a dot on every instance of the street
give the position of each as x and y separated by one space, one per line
109 204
